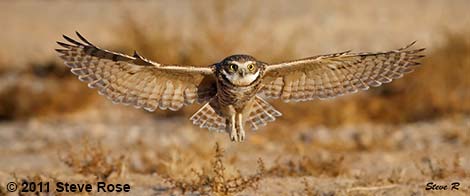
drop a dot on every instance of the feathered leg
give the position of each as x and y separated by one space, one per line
240 128
232 128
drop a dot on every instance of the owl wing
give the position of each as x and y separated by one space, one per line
327 76
135 80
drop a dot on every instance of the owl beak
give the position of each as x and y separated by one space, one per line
242 72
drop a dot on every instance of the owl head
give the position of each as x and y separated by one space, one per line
240 70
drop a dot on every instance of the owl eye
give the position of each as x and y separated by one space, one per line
233 67
251 67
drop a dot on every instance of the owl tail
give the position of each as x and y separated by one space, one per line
206 117
262 113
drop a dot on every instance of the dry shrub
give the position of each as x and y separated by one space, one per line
43 89
308 166
308 189
397 176
441 168
216 181
92 159
174 159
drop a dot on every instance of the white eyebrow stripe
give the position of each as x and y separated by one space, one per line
246 63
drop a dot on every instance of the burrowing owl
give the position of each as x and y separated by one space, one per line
232 90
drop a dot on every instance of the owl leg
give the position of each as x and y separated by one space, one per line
241 130
232 128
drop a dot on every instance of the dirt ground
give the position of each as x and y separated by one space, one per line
375 159
397 139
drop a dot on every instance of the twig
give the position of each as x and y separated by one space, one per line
373 188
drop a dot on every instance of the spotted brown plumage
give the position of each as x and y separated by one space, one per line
135 80
327 76
232 90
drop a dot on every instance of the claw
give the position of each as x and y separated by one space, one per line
236 129
233 133
241 135
233 136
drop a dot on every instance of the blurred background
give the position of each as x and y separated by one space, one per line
35 83
43 107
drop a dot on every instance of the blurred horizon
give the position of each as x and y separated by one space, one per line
306 27
203 33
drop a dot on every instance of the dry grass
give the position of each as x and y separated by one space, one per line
396 176
308 189
173 160
93 160
331 166
217 181
442 168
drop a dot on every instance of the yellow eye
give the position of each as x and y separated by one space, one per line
251 67
233 67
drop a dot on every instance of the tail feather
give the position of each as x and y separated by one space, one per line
262 113
206 117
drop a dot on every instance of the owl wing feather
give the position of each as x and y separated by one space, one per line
331 75
134 80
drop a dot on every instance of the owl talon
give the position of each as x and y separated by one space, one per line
241 135
233 136
237 136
